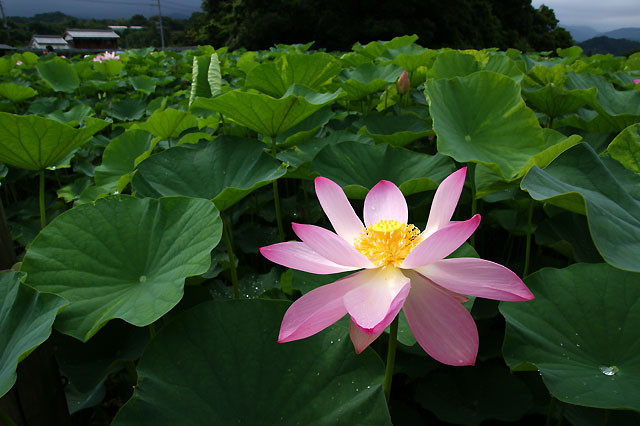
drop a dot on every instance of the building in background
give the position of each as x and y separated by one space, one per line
92 39
48 42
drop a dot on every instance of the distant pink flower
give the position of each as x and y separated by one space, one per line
18 63
403 269
636 81
106 57
403 83
110 56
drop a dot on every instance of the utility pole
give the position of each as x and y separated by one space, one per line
161 29
4 20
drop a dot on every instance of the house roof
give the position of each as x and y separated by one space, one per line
71 34
48 39
6 47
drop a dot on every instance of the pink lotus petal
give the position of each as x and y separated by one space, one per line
375 303
361 339
441 325
385 202
338 209
441 243
477 277
331 246
316 310
445 201
297 255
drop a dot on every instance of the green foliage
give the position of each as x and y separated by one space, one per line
341 23
149 158
267 373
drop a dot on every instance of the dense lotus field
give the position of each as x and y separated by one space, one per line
145 192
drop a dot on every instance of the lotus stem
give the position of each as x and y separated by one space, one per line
552 403
474 201
276 196
391 358
226 235
43 215
5 419
527 255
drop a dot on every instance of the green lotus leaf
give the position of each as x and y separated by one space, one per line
488 181
129 109
214 75
367 79
264 114
619 109
358 167
468 397
224 170
310 70
546 73
185 377
15 92
122 257
410 57
580 181
502 64
87 366
109 68
397 130
300 156
26 317
207 78
35 143
74 117
305 129
143 83
625 148
119 158
555 101
587 416
168 123
59 74
375 49
452 63
581 333
482 118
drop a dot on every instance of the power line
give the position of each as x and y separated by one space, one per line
125 3
4 20
161 29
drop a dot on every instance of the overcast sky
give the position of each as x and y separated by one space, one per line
106 9
602 15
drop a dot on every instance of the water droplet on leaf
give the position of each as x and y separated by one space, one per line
609 371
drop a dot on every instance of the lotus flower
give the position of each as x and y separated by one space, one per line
403 83
402 268
636 81
110 56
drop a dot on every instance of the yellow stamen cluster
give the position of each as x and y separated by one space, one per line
388 242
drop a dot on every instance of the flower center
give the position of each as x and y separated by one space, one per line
387 242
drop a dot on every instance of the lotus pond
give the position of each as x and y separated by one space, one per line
143 193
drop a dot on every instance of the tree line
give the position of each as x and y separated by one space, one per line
332 24
338 24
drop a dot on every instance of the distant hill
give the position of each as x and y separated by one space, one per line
49 18
628 33
606 45
582 33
